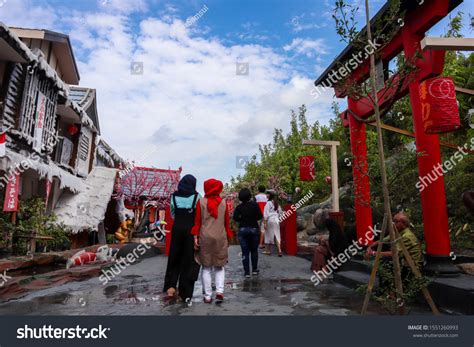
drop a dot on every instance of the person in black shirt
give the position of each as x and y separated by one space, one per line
247 214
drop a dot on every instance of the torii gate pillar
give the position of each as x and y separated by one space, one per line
433 196
361 179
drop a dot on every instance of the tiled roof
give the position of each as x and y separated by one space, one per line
149 182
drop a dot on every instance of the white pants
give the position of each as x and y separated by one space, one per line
273 231
207 280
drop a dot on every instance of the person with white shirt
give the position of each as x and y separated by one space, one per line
271 217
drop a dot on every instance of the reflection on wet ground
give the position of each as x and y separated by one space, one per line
283 288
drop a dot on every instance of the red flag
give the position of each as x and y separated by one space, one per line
11 194
48 190
3 140
307 170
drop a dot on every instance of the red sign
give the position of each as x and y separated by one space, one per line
11 194
48 190
307 171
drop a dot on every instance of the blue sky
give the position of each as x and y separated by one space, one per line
189 108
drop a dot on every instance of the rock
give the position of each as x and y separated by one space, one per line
467 268
311 231
301 224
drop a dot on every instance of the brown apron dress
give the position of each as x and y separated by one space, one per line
212 237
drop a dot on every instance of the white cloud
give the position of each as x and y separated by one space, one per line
189 102
123 6
307 47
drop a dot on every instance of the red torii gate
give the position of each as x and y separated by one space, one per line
420 16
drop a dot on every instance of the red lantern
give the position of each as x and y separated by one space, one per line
439 105
307 172
72 129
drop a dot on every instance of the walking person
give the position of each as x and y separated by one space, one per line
211 230
261 199
181 264
271 217
248 215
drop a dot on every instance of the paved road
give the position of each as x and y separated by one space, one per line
283 288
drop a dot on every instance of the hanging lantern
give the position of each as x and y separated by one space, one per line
440 113
328 179
307 172
72 129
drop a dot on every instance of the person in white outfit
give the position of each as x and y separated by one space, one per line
261 198
271 216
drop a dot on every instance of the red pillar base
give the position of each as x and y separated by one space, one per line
169 226
290 232
441 266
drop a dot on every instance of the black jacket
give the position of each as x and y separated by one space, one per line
247 214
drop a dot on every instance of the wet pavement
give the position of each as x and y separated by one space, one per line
282 288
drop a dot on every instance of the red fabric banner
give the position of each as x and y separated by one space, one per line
48 191
307 170
11 194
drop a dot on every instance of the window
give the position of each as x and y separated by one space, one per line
84 148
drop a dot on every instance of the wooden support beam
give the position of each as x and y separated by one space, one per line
411 134
321 143
334 173
448 43
464 90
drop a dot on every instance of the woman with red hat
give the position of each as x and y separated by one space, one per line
211 230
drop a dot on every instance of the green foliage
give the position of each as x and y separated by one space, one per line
385 294
278 164
32 217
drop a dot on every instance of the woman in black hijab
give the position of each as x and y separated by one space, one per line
181 265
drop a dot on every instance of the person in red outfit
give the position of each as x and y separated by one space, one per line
211 230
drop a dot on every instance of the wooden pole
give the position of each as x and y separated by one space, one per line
334 179
383 171
373 274
334 174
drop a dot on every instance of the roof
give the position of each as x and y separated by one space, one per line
84 211
83 100
35 61
61 46
346 54
151 183
12 48
105 151
44 170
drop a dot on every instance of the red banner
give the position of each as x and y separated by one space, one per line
48 190
307 170
11 194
